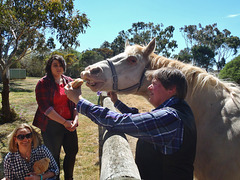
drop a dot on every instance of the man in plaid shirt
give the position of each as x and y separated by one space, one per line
167 135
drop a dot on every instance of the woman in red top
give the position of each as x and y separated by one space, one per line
56 116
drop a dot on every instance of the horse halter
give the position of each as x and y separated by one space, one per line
115 79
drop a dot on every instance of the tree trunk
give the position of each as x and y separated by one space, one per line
6 111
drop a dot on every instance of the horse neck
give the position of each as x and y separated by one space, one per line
196 77
204 89
200 83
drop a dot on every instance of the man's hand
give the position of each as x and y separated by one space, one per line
73 94
113 96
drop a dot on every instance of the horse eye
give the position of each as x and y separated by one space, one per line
132 59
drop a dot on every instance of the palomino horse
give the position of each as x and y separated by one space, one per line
215 104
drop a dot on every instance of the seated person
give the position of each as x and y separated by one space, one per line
25 146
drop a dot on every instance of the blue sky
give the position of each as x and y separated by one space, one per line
109 17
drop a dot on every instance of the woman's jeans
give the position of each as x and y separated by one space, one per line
55 136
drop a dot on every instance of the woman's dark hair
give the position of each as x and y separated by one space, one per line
170 77
57 57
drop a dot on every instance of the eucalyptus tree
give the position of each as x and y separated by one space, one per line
185 55
23 28
203 56
118 44
89 57
223 44
104 52
141 33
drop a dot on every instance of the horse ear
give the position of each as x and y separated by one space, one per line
150 47
127 43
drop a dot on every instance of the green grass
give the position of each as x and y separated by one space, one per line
22 99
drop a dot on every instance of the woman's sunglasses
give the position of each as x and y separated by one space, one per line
22 136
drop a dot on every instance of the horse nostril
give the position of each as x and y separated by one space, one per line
95 70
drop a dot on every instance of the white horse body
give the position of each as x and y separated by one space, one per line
215 104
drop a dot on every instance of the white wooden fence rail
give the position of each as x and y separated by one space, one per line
116 158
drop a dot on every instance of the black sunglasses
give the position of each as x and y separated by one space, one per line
22 136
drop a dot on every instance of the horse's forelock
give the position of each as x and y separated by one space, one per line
133 50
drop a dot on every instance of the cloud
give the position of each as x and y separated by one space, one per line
233 15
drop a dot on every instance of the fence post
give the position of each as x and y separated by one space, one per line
117 162
101 131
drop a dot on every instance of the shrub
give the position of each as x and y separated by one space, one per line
231 71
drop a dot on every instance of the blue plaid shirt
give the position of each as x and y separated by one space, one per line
16 168
162 126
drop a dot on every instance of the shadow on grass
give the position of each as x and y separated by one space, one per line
16 87
3 151
3 154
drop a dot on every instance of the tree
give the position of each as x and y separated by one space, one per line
106 44
90 57
72 58
142 33
184 55
231 71
118 44
203 56
104 52
223 44
23 24
34 63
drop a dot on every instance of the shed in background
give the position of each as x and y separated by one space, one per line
17 73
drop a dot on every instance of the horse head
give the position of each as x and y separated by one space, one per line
123 73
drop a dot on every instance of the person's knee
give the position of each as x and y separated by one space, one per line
71 150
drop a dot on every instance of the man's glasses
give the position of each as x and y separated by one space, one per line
22 136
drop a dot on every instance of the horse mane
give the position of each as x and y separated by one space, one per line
197 77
